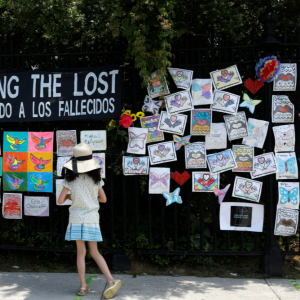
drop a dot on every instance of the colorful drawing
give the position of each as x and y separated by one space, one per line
202 91
179 142
40 141
95 138
288 194
159 180
101 159
15 181
225 78
287 167
181 178
173 197
12 206
221 162
247 189
137 140
179 102
36 206
282 109
159 85
15 161
263 165
66 141
284 138
243 156
1 167
40 161
151 123
61 160
205 182
286 223
135 165
221 193
257 130
225 102
40 182
58 188
267 68
174 123
195 155
249 103
201 121
236 125
286 79
182 78
151 105
15 141
161 153
217 138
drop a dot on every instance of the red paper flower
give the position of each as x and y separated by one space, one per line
125 121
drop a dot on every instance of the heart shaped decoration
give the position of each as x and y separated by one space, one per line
285 77
224 73
261 160
201 122
206 177
173 118
161 148
237 125
220 157
226 97
283 109
253 86
177 97
286 223
196 155
181 178
67 143
136 160
243 158
248 184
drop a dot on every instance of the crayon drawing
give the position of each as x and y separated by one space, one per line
247 189
135 165
263 165
36 206
286 79
182 78
243 156
286 221
201 121
225 78
225 102
179 102
159 86
288 194
15 181
66 141
205 181
282 109
287 167
151 123
40 182
221 162
12 206
159 180
195 155
61 160
284 138
137 140
95 138
40 141
236 125
58 188
161 153
217 138
202 91
101 159
174 123
14 141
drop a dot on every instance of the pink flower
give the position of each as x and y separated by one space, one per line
125 121
299 114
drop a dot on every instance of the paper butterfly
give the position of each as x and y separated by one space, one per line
178 102
262 163
181 141
204 88
151 105
226 101
221 160
288 196
156 181
284 139
249 103
286 166
15 143
173 197
225 74
221 193
248 188
14 183
137 140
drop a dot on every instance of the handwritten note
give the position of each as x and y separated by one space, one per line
95 138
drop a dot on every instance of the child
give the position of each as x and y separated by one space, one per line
83 180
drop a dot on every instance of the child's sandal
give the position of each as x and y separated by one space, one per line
86 290
111 291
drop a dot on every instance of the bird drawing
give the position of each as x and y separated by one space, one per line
14 183
41 143
39 163
39 184
15 142
13 163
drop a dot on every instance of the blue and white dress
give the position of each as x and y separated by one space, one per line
84 212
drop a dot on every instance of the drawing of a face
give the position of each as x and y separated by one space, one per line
179 73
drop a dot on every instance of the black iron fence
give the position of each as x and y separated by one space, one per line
133 220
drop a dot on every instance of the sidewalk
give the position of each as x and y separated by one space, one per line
46 286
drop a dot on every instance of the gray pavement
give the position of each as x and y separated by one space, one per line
63 286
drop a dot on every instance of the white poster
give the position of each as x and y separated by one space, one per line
202 91
162 152
95 138
137 140
217 138
159 180
284 138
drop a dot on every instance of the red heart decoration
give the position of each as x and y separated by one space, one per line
226 97
181 178
224 73
69 143
253 86
283 109
136 160
285 77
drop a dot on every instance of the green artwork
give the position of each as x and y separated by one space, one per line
15 181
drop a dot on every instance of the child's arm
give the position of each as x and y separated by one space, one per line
101 196
63 196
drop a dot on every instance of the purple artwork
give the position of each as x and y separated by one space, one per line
36 206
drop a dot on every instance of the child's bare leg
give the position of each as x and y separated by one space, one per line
100 261
81 252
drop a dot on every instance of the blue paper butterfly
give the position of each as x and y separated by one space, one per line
288 196
173 197
286 166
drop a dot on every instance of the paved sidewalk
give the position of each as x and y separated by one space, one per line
46 286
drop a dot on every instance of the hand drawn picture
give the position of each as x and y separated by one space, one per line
202 91
180 141
58 189
159 180
225 78
217 138
66 141
159 86
1 166
101 159
249 103
15 161
205 182
40 162
12 206
243 156
195 155
221 162
40 182
257 130
179 102
182 78
286 79
284 138
161 153
286 221
201 121
236 126
15 141
151 105
247 189
135 165
151 123
36 206
282 109
15 181
137 140
174 123
225 102
287 167
264 164
60 162
95 138
288 194
40 141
